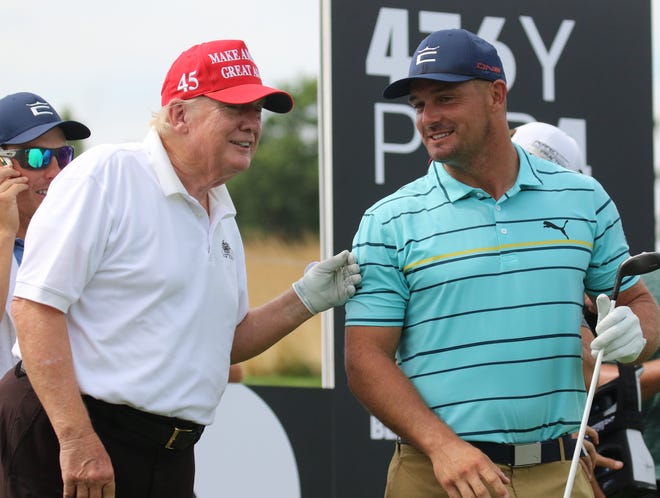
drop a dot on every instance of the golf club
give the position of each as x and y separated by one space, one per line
639 264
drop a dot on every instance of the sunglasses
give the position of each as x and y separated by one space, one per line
35 158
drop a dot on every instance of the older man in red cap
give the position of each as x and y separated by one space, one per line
132 298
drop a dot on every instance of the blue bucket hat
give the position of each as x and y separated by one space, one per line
25 116
450 55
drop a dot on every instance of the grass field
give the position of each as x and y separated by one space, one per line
272 266
284 380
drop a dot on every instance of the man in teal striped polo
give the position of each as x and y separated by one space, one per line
464 338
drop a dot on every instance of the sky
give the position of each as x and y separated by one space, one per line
105 61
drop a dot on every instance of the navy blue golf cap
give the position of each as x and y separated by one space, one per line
451 55
25 116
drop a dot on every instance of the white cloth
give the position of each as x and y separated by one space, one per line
152 287
7 329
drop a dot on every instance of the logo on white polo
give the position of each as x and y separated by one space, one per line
226 250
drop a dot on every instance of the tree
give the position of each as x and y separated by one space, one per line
279 193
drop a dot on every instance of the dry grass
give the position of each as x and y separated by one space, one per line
272 266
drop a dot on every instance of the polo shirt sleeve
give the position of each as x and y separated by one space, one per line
610 246
383 296
65 241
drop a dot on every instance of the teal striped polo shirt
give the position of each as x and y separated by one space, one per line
489 294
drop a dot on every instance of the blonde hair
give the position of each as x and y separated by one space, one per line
160 120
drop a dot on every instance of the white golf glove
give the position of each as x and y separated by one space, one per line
329 283
619 332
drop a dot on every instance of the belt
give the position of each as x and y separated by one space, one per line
524 455
164 432
19 369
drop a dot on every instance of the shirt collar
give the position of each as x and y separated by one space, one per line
456 190
170 183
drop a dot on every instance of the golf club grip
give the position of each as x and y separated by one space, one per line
617 285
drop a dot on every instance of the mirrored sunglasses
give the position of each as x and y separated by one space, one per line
39 157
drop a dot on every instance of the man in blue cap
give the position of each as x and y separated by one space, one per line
33 146
464 337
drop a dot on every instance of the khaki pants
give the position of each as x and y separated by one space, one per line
410 475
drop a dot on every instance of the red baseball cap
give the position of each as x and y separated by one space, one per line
222 70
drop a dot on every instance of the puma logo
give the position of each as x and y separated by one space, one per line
550 224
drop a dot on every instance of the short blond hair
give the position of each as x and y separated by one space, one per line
160 120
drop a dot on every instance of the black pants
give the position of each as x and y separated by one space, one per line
653 494
29 452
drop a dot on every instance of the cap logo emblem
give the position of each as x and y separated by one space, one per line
39 108
235 70
228 56
543 150
485 67
427 55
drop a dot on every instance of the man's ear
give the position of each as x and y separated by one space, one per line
498 92
177 113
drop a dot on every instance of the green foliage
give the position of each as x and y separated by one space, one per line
284 380
279 193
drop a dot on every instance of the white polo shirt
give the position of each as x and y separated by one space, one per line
152 287
7 330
